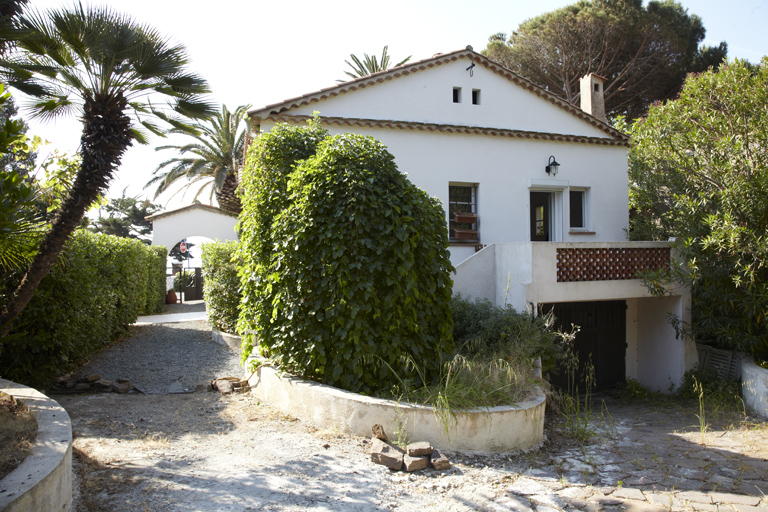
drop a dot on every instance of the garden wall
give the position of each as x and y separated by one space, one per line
498 429
754 387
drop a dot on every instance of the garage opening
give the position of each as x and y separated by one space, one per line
602 339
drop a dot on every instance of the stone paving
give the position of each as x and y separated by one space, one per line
646 462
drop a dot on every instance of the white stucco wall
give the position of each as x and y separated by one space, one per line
427 97
191 221
505 171
662 357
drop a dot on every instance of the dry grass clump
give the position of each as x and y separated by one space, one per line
18 431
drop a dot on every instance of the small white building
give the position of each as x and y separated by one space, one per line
524 231
172 226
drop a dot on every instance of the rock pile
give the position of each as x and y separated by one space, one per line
227 385
415 457
76 383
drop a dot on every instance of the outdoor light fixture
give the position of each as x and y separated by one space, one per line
552 166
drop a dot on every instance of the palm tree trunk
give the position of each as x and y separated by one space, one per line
227 197
106 136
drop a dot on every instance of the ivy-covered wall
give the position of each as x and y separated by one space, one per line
97 288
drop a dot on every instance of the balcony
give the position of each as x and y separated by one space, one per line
535 272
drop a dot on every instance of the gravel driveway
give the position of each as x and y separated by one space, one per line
202 451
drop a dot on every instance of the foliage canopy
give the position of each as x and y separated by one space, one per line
643 53
369 65
101 66
699 173
212 156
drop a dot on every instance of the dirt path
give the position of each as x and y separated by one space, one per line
207 452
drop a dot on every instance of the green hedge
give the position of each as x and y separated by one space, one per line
97 288
221 285
155 292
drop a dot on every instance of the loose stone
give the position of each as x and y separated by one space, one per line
415 463
420 449
386 454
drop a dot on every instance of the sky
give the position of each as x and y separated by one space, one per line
254 52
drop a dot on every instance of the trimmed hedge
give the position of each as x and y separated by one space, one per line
99 285
221 285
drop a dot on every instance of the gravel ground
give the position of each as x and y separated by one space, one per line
204 451
171 358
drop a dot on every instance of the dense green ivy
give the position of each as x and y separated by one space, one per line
96 289
221 285
356 276
264 185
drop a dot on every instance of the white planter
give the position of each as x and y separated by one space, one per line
754 387
499 429
44 480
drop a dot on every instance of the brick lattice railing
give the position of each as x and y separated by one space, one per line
608 264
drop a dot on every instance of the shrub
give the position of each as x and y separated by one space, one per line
359 275
183 279
264 182
155 291
484 330
96 289
221 285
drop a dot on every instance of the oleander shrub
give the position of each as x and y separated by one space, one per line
221 285
97 288
356 280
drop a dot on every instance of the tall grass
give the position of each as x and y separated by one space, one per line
495 362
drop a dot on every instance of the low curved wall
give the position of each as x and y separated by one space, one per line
44 480
498 429
229 340
754 387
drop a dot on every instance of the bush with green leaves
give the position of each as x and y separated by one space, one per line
264 185
699 173
358 278
221 285
97 288
156 286
481 329
183 279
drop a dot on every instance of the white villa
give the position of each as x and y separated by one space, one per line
524 231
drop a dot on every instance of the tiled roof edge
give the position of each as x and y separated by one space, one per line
446 128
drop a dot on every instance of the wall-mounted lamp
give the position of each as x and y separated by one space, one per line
552 166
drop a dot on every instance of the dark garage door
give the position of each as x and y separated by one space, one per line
603 337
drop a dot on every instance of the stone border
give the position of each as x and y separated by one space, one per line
229 340
44 480
498 429
754 386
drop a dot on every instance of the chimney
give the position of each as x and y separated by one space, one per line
592 99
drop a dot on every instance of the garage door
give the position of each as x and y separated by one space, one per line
602 339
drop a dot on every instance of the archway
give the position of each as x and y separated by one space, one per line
194 225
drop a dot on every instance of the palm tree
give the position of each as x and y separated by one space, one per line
102 67
215 156
369 65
